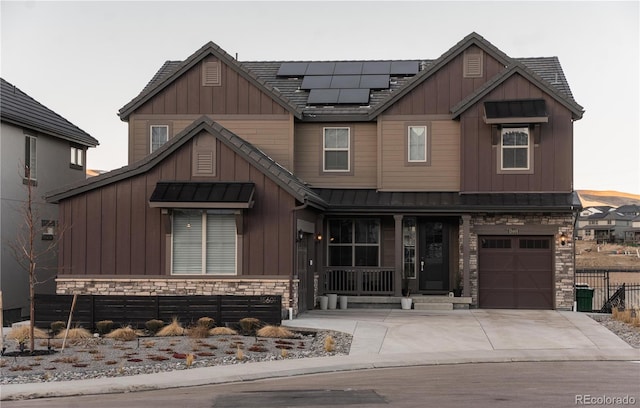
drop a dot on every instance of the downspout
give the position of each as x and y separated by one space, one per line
294 253
576 214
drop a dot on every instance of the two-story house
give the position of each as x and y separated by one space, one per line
351 177
39 148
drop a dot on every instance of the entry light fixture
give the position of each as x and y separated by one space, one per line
300 236
318 237
563 239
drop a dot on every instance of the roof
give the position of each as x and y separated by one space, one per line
178 194
545 72
18 108
369 200
281 176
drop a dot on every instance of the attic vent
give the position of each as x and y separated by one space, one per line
204 163
472 63
211 73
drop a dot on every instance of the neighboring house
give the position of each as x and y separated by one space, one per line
54 150
304 178
606 227
633 234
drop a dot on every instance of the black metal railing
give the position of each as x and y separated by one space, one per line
607 283
359 280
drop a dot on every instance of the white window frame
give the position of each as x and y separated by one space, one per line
336 149
510 147
31 158
77 156
166 127
203 246
425 138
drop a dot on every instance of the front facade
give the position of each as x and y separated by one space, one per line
349 177
40 148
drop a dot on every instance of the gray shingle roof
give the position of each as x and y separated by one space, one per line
20 109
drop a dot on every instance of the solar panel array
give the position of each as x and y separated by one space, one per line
345 82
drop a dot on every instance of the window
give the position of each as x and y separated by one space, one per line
409 242
336 149
77 157
592 222
204 242
30 165
48 230
417 144
159 136
354 242
515 148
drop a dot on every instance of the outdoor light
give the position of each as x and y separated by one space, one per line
563 239
318 237
300 235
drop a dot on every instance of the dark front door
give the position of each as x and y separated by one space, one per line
305 274
433 256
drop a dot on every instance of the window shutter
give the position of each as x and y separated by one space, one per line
473 63
211 73
221 244
187 242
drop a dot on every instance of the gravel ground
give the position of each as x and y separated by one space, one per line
626 332
101 357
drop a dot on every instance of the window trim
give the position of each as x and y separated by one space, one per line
31 140
427 161
530 145
325 149
151 126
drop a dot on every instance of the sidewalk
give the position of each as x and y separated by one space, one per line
392 338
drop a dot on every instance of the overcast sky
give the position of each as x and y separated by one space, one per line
86 60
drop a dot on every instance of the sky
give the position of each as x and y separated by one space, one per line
85 59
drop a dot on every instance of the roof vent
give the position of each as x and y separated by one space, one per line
472 63
211 73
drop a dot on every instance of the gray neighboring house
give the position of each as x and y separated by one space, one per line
55 150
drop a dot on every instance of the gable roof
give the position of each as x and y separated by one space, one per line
171 70
278 174
18 108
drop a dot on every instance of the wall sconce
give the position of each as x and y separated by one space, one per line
563 239
300 236
318 237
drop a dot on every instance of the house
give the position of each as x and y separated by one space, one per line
633 234
606 227
54 152
351 177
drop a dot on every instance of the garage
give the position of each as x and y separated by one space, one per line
515 272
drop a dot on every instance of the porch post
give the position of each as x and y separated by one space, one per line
397 284
466 257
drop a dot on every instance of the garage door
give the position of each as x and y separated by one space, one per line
515 272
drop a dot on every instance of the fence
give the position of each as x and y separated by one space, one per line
136 310
359 281
605 283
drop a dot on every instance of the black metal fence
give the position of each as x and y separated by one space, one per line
136 310
606 282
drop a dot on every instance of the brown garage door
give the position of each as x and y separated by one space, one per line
515 272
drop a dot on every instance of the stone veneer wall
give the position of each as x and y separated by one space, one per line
563 255
179 287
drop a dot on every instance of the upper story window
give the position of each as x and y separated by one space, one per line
159 136
336 149
354 242
30 164
417 144
515 148
77 157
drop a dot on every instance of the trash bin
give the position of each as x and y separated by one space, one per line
584 297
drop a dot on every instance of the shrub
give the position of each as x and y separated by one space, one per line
199 332
250 324
123 334
21 334
329 344
172 329
104 326
219 331
154 325
75 333
57 326
277 332
206 322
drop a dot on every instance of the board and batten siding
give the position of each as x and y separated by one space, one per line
443 149
309 151
273 134
111 230
552 155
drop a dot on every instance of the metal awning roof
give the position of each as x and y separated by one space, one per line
202 195
515 111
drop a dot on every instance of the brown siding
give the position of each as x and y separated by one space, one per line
113 231
273 134
443 171
444 89
308 156
552 157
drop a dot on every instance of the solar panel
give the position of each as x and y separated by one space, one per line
345 81
374 81
376 67
320 68
348 68
404 67
354 96
320 96
292 69
316 82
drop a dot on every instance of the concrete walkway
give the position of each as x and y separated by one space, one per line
392 338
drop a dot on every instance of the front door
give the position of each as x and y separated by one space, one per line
305 274
433 256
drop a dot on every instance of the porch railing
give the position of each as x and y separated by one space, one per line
359 280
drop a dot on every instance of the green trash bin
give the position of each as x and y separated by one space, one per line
584 298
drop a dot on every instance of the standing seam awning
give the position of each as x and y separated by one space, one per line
202 195
515 111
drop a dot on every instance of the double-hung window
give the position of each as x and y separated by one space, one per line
515 148
77 157
30 163
354 242
204 242
336 149
159 136
417 144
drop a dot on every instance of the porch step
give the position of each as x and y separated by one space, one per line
420 302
